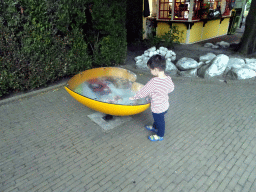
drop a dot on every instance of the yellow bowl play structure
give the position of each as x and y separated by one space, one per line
103 107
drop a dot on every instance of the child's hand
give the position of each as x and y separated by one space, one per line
131 98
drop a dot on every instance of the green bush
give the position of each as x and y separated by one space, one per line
110 45
168 39
47 41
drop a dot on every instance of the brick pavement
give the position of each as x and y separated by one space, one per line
49 144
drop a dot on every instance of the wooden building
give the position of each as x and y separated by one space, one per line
198 19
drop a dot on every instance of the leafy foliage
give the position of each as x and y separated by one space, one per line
44 40
168 39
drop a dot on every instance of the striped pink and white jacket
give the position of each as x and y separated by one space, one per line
158 90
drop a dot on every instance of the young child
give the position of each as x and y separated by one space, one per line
158 89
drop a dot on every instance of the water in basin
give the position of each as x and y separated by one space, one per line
110 90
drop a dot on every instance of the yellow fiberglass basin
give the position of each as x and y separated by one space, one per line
104 107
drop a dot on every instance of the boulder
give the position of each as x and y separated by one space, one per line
207 57
208 45
170 67
169 54
151 53
173 58
215 46
141 61
152 49
236 63
163 49
223 44
250 64
187 63
202 70
217 66
188 73
146 53
138 58
247 61
141 65
145 60
242 73
163 53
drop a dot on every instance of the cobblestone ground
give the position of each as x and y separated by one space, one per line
49 144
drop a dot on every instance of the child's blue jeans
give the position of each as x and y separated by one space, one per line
159 123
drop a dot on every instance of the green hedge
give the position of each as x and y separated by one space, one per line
48 41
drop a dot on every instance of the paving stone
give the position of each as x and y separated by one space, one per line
252 176
233 171
247 186
217 148
223 184
213 186
222 175
244 178
233 183
238 188
230 163
200 182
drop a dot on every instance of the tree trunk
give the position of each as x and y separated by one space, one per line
248 42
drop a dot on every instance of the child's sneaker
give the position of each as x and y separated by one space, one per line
150 128
155 138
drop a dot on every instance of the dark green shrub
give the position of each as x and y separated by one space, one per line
110 45
168 39
172 37
49 40
39 56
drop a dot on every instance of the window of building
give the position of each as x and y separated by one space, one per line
196 10
165 9
181 10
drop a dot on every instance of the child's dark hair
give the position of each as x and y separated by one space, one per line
157 61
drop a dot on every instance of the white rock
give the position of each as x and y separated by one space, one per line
173 57
208 45
172 52
170 67
163 53
247 61
155 52
241 73
207 57
215 46
151 53
138 58
146 53
152 49
207 62
250 64
201 63
163 49
202 70
145 59
168 54
187 63
141 65
236 63
188 73
223 44
217 66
